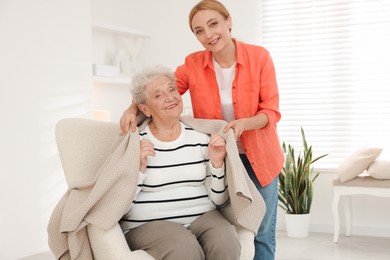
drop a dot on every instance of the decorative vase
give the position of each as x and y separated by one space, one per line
297 225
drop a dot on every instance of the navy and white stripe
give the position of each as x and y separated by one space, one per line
179 184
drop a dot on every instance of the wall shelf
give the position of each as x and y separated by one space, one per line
115 45
112 80
117 29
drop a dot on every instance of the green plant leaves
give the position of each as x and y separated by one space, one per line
295 190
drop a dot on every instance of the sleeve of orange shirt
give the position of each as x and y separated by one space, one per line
269 93
181 79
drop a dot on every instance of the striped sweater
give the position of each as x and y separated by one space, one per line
173 185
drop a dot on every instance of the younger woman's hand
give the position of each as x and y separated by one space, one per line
238 127
128 120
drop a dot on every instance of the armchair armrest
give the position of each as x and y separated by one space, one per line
245 236
111 244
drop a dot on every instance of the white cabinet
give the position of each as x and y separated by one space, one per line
114 52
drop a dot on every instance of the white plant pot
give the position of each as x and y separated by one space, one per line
297 225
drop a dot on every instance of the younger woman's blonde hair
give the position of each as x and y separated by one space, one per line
212 5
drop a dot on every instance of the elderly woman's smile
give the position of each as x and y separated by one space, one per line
171 106
162 100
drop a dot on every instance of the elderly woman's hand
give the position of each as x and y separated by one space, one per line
147 149
217 150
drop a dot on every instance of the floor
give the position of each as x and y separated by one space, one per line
317 246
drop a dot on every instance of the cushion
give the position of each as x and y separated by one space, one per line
357 162
380 169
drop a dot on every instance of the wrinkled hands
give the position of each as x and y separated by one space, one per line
146 149
217 150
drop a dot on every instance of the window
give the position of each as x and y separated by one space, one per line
332 60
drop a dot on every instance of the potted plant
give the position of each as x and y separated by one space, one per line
296 187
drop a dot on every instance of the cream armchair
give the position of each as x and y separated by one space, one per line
83 146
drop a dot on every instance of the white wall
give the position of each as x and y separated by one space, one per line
45 75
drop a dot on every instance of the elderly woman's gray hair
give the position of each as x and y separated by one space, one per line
144 77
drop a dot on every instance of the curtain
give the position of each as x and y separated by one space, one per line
332 60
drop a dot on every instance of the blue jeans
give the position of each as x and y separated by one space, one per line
265 241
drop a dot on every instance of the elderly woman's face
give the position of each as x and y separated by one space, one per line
163 101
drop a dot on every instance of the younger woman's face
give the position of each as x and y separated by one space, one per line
212 29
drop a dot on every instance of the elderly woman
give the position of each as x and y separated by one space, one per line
180 183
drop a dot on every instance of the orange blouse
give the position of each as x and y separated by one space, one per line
254 91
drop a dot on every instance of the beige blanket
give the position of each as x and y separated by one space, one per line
106 199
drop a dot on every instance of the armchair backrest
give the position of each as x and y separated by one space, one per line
84 145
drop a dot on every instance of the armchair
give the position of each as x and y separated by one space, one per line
83 146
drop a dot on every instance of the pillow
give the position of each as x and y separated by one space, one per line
357 162
380 169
